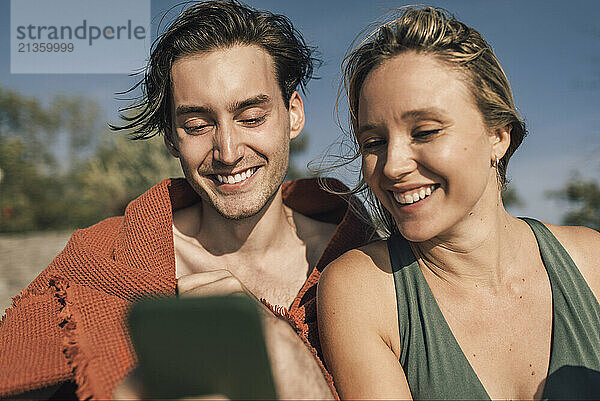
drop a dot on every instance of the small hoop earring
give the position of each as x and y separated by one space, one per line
495 162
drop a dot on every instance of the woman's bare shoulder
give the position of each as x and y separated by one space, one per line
583 245
358 324
357 275
368 261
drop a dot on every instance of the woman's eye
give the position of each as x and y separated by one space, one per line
372 144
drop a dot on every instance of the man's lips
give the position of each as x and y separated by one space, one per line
236 178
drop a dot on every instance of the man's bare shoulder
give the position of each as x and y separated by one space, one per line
583 245
315 234
308 227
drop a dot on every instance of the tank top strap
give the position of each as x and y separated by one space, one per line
575 352
407 284
434 364
567 283
552 252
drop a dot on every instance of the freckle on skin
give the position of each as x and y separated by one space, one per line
532 373
530 365
520 296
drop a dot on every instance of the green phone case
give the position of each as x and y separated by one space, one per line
196 346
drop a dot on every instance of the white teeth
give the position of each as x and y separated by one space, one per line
234 179
415 197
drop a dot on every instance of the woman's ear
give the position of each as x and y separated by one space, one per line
296 110
169 143
500 141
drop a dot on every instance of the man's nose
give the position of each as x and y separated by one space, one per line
228 145
399 161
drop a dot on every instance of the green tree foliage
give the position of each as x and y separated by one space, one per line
79 118
28 168
583 198
60 169
119 170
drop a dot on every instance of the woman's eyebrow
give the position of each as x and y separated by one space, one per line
364 128
433 113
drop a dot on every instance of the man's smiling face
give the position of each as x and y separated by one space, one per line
231 129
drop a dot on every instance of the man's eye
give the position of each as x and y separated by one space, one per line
425 134
253 122
196 129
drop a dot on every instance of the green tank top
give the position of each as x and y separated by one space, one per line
436 367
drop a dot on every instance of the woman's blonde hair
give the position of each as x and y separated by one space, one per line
436 32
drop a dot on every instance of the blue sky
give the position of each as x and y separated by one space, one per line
550 51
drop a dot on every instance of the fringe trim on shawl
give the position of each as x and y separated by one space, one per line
75 357
13 303
283 313
302 331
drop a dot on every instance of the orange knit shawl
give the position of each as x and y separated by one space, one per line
68 324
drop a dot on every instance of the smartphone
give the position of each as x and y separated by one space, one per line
196 346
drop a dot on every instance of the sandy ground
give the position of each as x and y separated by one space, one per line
22 257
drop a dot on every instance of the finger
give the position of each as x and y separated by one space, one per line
190 281
225 286
129 388
206 397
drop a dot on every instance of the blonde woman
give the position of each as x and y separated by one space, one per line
463 301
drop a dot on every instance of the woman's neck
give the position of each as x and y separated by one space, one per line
479 253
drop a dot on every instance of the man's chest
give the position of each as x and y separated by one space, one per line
276 279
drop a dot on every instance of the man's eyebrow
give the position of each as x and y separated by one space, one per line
252 101
181 110
233 107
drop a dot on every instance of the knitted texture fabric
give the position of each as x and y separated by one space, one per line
69 323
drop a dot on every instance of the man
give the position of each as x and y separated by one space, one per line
221 86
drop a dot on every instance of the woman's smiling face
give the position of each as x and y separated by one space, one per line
425 148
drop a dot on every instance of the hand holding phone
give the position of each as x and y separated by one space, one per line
197 346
